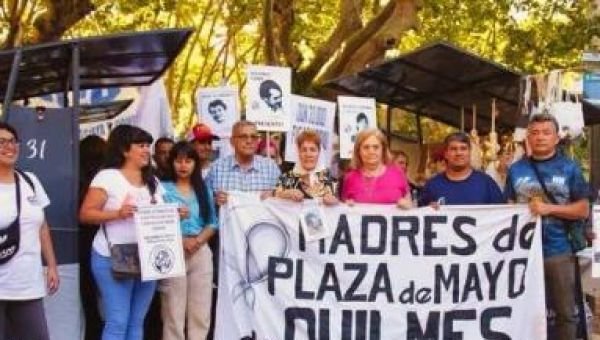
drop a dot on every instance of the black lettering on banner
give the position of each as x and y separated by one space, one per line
410 294
410 234
492 277
381 284
342 236
361 325
361 269
526 235
299 314
510 234
373 225
329 275
347 321
414 331
301 239
429 235
457 225
486 322
273 273
300 293
472 283
449 282
323 324
513 265
456 315
374 325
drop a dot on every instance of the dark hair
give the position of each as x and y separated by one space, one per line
9 128
362 116
267 85
185 149
543 118
162 140
460 137
91 157
119 141
217 102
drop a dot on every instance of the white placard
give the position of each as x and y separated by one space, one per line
268 92
313 221
159 241
217 107
596 242
356 114
314 114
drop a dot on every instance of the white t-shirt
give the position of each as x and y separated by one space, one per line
119 190
22 277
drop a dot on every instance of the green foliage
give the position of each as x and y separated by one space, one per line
527 35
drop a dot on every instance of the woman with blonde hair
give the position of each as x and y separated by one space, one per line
374 178
307 180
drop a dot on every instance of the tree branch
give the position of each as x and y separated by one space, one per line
59 16
349 22
369 44
268 32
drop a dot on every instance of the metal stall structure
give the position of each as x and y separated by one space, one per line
50 136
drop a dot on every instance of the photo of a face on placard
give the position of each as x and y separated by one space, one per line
268 93
217 108
313 223
356 115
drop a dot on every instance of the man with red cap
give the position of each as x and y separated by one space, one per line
202 138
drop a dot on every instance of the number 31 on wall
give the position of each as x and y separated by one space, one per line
36 150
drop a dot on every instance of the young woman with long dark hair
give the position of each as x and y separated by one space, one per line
186 301
126 181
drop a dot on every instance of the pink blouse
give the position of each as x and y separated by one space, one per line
387 188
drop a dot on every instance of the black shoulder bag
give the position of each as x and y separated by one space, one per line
10 237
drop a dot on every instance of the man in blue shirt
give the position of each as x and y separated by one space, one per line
564 181
460 183
244 170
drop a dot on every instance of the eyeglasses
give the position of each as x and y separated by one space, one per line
247 137
5 142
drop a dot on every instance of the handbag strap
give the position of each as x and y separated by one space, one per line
541 181
103 226
18 194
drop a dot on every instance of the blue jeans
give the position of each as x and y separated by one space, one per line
125 302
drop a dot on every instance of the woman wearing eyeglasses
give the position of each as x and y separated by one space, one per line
25 239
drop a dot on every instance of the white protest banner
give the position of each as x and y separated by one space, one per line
268 92
356 114
217 107
314 114
596 241
464 272
159 241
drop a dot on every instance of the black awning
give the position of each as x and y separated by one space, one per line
130 59
437 81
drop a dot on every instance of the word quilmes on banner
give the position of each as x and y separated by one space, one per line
462 272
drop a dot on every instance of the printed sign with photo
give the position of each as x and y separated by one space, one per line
313 114
268 92
356 114
159 241
218 108
313 221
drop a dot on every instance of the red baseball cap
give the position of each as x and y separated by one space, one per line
202 132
